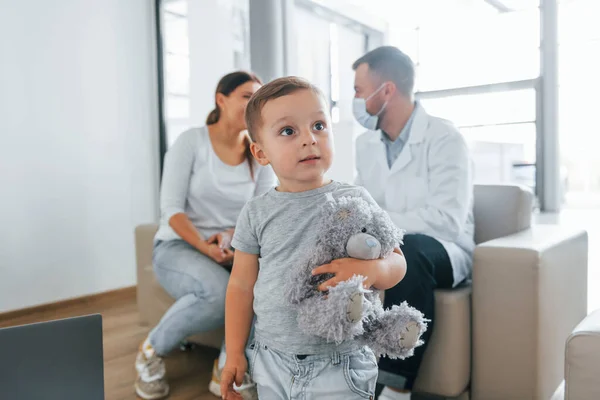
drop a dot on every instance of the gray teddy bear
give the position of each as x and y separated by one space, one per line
351 227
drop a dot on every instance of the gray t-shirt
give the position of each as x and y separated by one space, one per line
281 227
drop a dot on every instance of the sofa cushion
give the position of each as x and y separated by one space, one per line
501 210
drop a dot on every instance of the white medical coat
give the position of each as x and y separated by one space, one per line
428 189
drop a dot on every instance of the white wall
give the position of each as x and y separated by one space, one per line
78 152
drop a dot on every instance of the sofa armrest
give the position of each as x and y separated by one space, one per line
582 360
529 292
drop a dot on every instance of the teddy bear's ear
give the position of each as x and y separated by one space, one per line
385 230
343 214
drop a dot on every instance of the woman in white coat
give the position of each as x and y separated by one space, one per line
417 168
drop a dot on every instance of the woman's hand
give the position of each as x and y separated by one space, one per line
221 256
223 239
233 372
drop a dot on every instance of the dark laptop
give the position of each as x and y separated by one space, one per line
55 360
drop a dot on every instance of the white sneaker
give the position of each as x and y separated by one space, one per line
151 382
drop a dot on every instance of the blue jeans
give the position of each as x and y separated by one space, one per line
337 376
197 283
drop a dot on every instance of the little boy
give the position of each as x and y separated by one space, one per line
289 123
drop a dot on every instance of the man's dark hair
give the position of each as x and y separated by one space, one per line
390 64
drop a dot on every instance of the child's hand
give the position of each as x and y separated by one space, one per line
346 268
234 370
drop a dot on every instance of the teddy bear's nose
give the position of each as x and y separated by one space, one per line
363 246
372 242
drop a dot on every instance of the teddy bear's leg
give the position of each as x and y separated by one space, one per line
336 316
349 296
395 332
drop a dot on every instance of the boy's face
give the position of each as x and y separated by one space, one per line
296 139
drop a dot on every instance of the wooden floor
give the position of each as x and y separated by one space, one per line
189 372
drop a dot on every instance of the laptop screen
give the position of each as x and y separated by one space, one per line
55 360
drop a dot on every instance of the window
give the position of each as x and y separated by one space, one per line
240 25
462 52
189 77
579 81
325 55
500 130
176 67
477 66
494 108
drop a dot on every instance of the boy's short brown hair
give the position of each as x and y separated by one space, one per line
277 88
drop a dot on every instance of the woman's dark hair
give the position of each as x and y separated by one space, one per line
226 86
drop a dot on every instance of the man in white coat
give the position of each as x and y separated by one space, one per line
417 167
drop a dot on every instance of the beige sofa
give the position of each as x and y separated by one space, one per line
582 361
501 338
